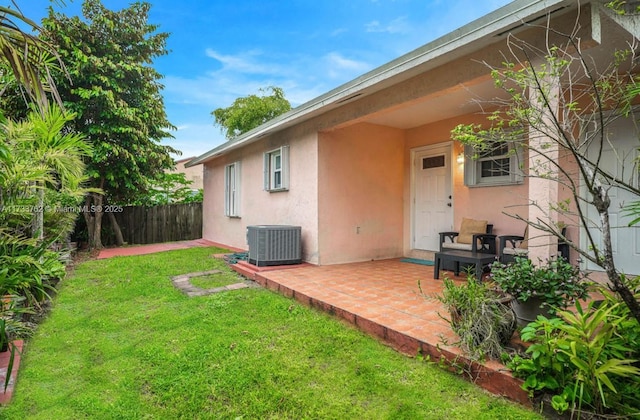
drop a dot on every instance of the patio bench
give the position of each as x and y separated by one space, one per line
512 246
474 236
479 259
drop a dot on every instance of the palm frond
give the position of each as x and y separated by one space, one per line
30 58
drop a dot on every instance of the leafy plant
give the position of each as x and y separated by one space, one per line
587 335
549 89
544 368
11 327
557 283
582 359
28 268
479 315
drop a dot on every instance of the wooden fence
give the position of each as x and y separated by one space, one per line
150 225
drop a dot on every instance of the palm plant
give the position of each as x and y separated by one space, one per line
29 268
59 153
40 156
28 57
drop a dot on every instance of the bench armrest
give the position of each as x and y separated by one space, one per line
512 241
445 235
484 243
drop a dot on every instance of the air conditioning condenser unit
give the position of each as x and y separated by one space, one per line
274 245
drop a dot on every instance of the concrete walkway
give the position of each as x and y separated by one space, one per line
126 251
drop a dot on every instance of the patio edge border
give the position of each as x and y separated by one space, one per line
491 379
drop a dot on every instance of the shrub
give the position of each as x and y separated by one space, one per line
28 269
557 283
480 316
586 360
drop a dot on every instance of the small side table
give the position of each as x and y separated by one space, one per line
479 259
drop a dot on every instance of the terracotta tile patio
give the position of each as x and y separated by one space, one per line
388 299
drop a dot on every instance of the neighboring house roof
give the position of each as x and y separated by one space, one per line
185 159
473 36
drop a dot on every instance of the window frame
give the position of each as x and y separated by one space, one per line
232 189
273 173
473 167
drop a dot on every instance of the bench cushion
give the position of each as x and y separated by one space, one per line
456 245
470 227
520 252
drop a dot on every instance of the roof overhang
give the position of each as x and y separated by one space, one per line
473 36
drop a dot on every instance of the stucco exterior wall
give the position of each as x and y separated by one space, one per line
484 203
297 206
360 193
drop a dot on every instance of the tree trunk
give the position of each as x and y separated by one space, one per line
116 228
93 216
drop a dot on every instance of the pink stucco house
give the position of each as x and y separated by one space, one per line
369 170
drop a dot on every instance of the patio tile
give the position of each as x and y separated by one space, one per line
390 300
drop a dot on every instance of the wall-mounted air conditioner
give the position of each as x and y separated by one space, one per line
274 245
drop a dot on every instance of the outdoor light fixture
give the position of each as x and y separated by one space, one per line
460 158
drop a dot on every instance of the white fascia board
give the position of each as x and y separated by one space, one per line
454 45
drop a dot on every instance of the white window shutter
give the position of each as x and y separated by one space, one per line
267 171
237 189
284 157
232 189
469 166
227 180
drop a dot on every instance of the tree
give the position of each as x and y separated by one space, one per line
170 188
116 95
249 112
558 106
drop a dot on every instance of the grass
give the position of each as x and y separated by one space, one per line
121 342
211 281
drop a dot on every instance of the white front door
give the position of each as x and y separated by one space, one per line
618 158
432 196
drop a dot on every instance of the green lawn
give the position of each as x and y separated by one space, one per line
211 281
122 343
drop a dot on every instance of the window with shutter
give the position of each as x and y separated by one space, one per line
276 169
232 190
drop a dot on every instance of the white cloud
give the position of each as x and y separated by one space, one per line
336 59
397 26
194 139
302 77
339 31
190 100
341 67
248 62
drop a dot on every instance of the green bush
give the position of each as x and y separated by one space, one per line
586 360
28 269
479 316
557 283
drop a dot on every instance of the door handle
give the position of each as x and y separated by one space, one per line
449 204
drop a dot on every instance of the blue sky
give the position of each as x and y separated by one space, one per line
224 49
